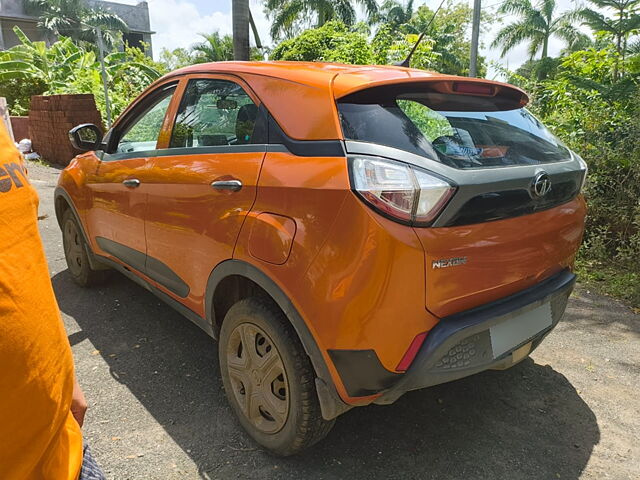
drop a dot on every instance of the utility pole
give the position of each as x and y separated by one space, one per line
475 36
107 103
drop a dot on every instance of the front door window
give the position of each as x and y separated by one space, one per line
142 133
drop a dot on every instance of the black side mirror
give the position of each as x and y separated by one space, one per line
85 137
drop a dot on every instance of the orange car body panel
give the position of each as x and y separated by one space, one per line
271 238
345 263
360 281
504 256
184 210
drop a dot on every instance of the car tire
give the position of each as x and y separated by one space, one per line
75 252
268 378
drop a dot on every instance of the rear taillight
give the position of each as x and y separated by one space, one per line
398 190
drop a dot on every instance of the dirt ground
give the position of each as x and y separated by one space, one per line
158 411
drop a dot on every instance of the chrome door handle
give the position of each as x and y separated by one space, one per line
233 185
131 183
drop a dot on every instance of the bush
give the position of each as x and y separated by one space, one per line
596 115
18 93
333 42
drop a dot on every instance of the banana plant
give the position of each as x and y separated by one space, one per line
59 64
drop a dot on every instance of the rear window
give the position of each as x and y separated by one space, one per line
461 131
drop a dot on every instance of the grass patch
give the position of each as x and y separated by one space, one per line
612 280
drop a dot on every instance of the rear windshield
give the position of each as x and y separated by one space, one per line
458 130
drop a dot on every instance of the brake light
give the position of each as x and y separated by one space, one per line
397 190
473 88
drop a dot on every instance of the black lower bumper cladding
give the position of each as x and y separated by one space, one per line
458 346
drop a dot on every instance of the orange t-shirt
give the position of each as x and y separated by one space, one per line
39 438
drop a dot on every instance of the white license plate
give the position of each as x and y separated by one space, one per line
511 333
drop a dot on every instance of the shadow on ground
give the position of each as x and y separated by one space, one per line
528 422
589 317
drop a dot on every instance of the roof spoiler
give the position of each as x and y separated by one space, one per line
510 96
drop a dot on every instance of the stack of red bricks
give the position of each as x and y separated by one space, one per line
51 118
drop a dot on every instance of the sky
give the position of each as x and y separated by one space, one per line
178 22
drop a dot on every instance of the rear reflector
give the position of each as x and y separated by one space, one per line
473 88
411 352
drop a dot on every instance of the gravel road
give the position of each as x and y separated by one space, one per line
158 411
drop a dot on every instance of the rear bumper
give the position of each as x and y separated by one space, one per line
461 345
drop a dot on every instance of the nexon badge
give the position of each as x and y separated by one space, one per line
449 262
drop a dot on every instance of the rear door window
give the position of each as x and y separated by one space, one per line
459 131
215 113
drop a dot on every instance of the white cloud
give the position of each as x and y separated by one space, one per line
177 23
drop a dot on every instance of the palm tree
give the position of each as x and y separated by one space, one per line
291 16
214 48
395 14
621 26
76 20
536 24
240 23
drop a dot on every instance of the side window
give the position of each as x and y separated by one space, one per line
215 112
142 134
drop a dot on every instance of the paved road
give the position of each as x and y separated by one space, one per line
157 407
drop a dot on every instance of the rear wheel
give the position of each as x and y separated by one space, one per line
269 379
75 252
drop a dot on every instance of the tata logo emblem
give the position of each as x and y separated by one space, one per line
541 185
448 262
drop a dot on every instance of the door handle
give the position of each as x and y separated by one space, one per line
233 185
131 183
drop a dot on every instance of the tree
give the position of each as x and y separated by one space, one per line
536 24
290 17
395 14
65 67
449 32
240 21
76 20
333 42
176 58
214 48
391 47
625 22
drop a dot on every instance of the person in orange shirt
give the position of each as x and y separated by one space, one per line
41 404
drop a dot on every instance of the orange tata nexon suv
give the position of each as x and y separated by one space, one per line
348 233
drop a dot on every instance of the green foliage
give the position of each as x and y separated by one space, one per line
595 112
624 23
65 67
392 47
214 48
18 93
536 24
176 58
449 34
291 17
445 48
333 42
128 74
431 123
75 19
